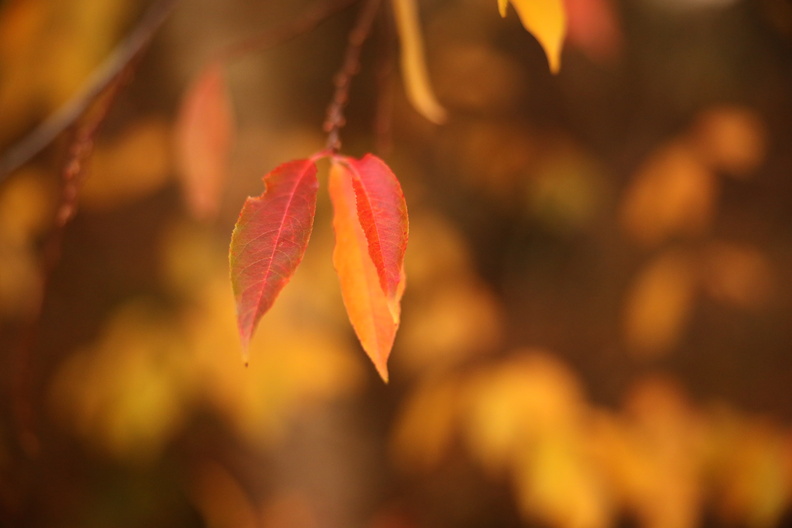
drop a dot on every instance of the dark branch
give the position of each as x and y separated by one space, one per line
335 113
384 73
80 148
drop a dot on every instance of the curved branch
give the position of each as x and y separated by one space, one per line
44 134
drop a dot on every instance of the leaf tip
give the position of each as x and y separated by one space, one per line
245 355
554 61
382 370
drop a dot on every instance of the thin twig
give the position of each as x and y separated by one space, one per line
335 113
80 149
37 140
273 37
384 111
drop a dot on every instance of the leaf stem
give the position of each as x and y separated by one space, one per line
335 119
384 73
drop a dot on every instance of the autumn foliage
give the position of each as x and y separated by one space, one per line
583 321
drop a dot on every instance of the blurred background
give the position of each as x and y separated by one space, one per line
597 328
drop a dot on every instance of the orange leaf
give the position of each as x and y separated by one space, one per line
204 130
269 241
383 216
373 313
546 20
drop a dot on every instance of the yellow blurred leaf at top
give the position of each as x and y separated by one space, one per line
672 195
546 20
659 303
413 62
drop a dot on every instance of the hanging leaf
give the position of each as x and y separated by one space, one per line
413 62
269 241
204 130
383 215
373 314
546 20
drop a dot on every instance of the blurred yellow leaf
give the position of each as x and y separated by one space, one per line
27 207
546 20
413 62
129 167
557 483
426 425
667 436
566 190
672 195
20 281
220 498
731 139
509 406
26 212
751 469
127 392
659 303
738 274
450 325
301 360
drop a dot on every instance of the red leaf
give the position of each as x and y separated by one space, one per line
593 26
383 215
269 241
373 314
204 130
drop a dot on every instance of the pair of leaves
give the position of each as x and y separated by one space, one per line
371 226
